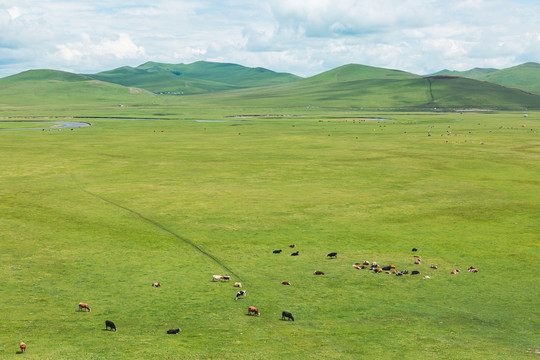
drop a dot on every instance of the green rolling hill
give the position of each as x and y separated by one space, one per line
525 76
350 85
54 88
198 77
363 86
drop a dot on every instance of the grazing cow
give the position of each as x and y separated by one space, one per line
318 272
174 331
454 272
394 271
110 325
365 262
414 249
294 254
276 251
373 267
359 267
157 284
83 306
292 245
378 270
216 277
416 256
433 266
286 315
374 264
399 274
225 278
417 261
237 284
415 272
253 310
472 269
285 282
427 277
332 255
386 268
405 272
240 293
22 346
387 272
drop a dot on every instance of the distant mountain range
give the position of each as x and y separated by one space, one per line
221 83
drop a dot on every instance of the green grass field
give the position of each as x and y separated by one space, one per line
98 214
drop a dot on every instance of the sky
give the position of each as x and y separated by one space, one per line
303 37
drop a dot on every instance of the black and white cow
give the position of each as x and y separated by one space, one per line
174 331
240 293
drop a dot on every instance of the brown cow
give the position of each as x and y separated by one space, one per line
83 306
22 346
237 284
292 245
433 266
156 284
253 310
285 282
226 278
454 272
318 272
472 269
417 261
366 262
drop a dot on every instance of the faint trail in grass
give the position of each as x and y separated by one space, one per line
158 225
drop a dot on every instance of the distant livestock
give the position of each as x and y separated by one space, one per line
22 346
285 315
472 269
285 282
156 284
365 263
252 310
433 266
174 331
237 284
220 277
414 249
417 261
454 272
292 245
84 307
276 251
318 272
294 254
415 272
332 255
110 325
240 293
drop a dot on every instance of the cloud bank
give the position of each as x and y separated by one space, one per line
304 37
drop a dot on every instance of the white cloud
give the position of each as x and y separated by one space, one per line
303 37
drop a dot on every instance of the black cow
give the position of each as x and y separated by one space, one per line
174 331
414 249
294 254
386 268
110 324
240 293
286 315
332 255
276 251
415 272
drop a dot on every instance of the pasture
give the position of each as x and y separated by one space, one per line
98 214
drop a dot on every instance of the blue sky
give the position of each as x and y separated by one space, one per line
304 37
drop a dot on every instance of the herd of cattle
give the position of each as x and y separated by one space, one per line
285 315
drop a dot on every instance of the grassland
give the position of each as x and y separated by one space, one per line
98 214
